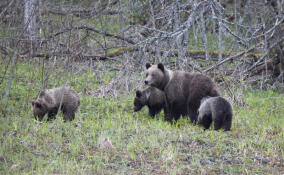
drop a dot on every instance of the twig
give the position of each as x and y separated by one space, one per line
231 58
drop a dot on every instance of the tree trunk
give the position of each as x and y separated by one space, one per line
204 34
30 19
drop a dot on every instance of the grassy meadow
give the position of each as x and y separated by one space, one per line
139 144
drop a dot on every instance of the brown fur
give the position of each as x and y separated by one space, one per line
183 90
217 110
152 97
48 102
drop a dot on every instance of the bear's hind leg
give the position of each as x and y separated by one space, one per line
68 116
69 109
218 124
227 123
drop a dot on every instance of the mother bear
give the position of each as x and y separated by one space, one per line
183 90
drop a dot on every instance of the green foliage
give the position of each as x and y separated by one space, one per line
141 144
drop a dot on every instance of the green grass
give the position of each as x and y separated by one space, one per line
141 145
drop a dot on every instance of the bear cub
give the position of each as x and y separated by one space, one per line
152 97
48 102
217 110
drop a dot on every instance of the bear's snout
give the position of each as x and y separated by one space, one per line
146 82
136 108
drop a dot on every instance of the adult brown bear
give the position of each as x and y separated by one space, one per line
183 90
50 101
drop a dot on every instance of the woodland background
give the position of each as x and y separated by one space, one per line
100 49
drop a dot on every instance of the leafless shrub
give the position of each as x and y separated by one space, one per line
125 81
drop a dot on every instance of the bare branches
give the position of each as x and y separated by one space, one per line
5 9
90 29
83 13
242 36
264 55
230 58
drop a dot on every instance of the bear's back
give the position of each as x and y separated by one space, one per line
70 96
195 85
157 97
220 106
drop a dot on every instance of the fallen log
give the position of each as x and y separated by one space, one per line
265 65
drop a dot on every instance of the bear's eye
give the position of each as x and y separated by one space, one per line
146 74
38 105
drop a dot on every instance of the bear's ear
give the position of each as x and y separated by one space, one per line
36 103
42 93
138 93
148 65
161 66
